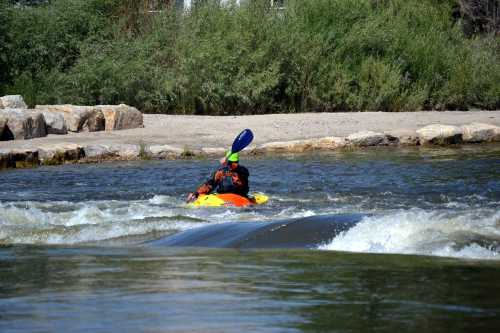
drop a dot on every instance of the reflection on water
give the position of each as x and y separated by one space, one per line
202 290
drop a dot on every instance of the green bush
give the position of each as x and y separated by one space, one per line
322 55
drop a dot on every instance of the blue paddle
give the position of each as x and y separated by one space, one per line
241 141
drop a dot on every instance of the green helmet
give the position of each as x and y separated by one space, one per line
234 157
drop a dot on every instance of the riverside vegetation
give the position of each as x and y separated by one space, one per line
322 55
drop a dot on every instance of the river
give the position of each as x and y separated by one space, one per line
375 239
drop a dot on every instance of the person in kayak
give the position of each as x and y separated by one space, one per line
231 177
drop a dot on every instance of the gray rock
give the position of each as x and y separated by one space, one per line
114 151
440 134
12 102
78 118
283 147
23 124
60 153
55 122
213 151
477 132
99 152
165 152
121 116
127 151
367 138
39 126
300 146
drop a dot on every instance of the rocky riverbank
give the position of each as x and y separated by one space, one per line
174 137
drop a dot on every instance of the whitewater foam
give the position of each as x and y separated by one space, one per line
70 223
64 222
465 234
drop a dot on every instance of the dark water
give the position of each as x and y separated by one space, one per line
353 241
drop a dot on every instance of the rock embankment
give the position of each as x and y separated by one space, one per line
430 135
17 122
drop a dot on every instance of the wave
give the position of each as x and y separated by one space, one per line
473 234
451 229
302 232
68 223
86 222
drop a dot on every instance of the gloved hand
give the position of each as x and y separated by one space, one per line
219 175
192 196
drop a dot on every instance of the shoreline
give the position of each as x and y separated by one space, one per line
180 136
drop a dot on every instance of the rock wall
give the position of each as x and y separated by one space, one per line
18 122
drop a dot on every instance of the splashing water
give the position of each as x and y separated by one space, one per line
471 234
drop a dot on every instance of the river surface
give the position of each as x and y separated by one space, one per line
377 239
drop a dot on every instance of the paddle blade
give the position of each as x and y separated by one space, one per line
242 140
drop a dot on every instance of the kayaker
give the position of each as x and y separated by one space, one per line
231 177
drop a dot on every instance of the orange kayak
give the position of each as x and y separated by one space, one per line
229 199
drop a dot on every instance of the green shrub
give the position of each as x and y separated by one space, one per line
322 55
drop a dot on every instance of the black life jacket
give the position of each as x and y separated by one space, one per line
227 185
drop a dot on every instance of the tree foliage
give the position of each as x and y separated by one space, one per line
322 55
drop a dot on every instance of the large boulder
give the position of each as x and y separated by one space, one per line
23 124
55 122
440 134
477 132
78 118
12 102
366 139
121 116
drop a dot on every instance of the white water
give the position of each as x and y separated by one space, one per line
473 234
67 223
70 223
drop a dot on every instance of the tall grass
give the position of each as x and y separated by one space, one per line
321 55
